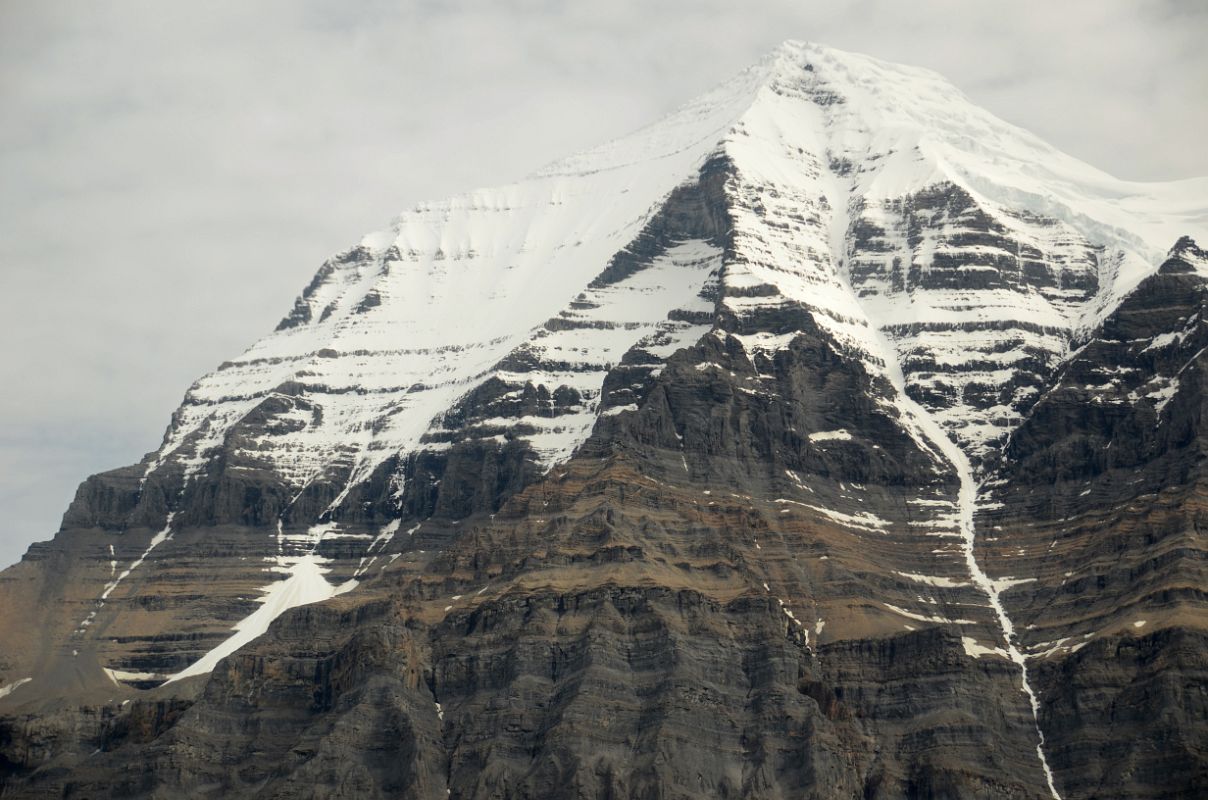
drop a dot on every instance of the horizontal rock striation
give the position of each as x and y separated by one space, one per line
1094 517
829 438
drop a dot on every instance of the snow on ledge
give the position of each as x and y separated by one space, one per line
118 676
5 691
975 650
840 435
933 580
304 585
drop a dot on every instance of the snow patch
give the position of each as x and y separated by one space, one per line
304 585
926 618
975 650
612 411
1164 340
862 520
1002 584
933 580
5 691
119 676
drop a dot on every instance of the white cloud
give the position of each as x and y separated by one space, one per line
172 173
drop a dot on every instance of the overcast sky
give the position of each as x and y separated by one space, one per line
171 173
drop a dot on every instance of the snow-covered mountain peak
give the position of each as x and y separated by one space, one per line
797 376
923 127
931 237
852 185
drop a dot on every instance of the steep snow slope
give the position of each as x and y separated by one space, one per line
977 249
391 333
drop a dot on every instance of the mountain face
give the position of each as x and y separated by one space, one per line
828 438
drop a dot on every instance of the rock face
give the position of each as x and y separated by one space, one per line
829 438
1098 500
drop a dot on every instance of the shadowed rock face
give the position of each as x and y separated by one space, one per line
609 632
1100 500
692 533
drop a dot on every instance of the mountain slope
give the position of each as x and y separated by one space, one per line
691 465
370 342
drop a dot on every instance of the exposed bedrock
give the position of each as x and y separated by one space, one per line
1095 519
719 461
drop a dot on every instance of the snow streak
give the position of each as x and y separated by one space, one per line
927 426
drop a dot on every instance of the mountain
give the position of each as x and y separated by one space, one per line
827 438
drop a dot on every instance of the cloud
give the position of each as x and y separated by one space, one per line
172 173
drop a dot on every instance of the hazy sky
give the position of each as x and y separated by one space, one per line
171 173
